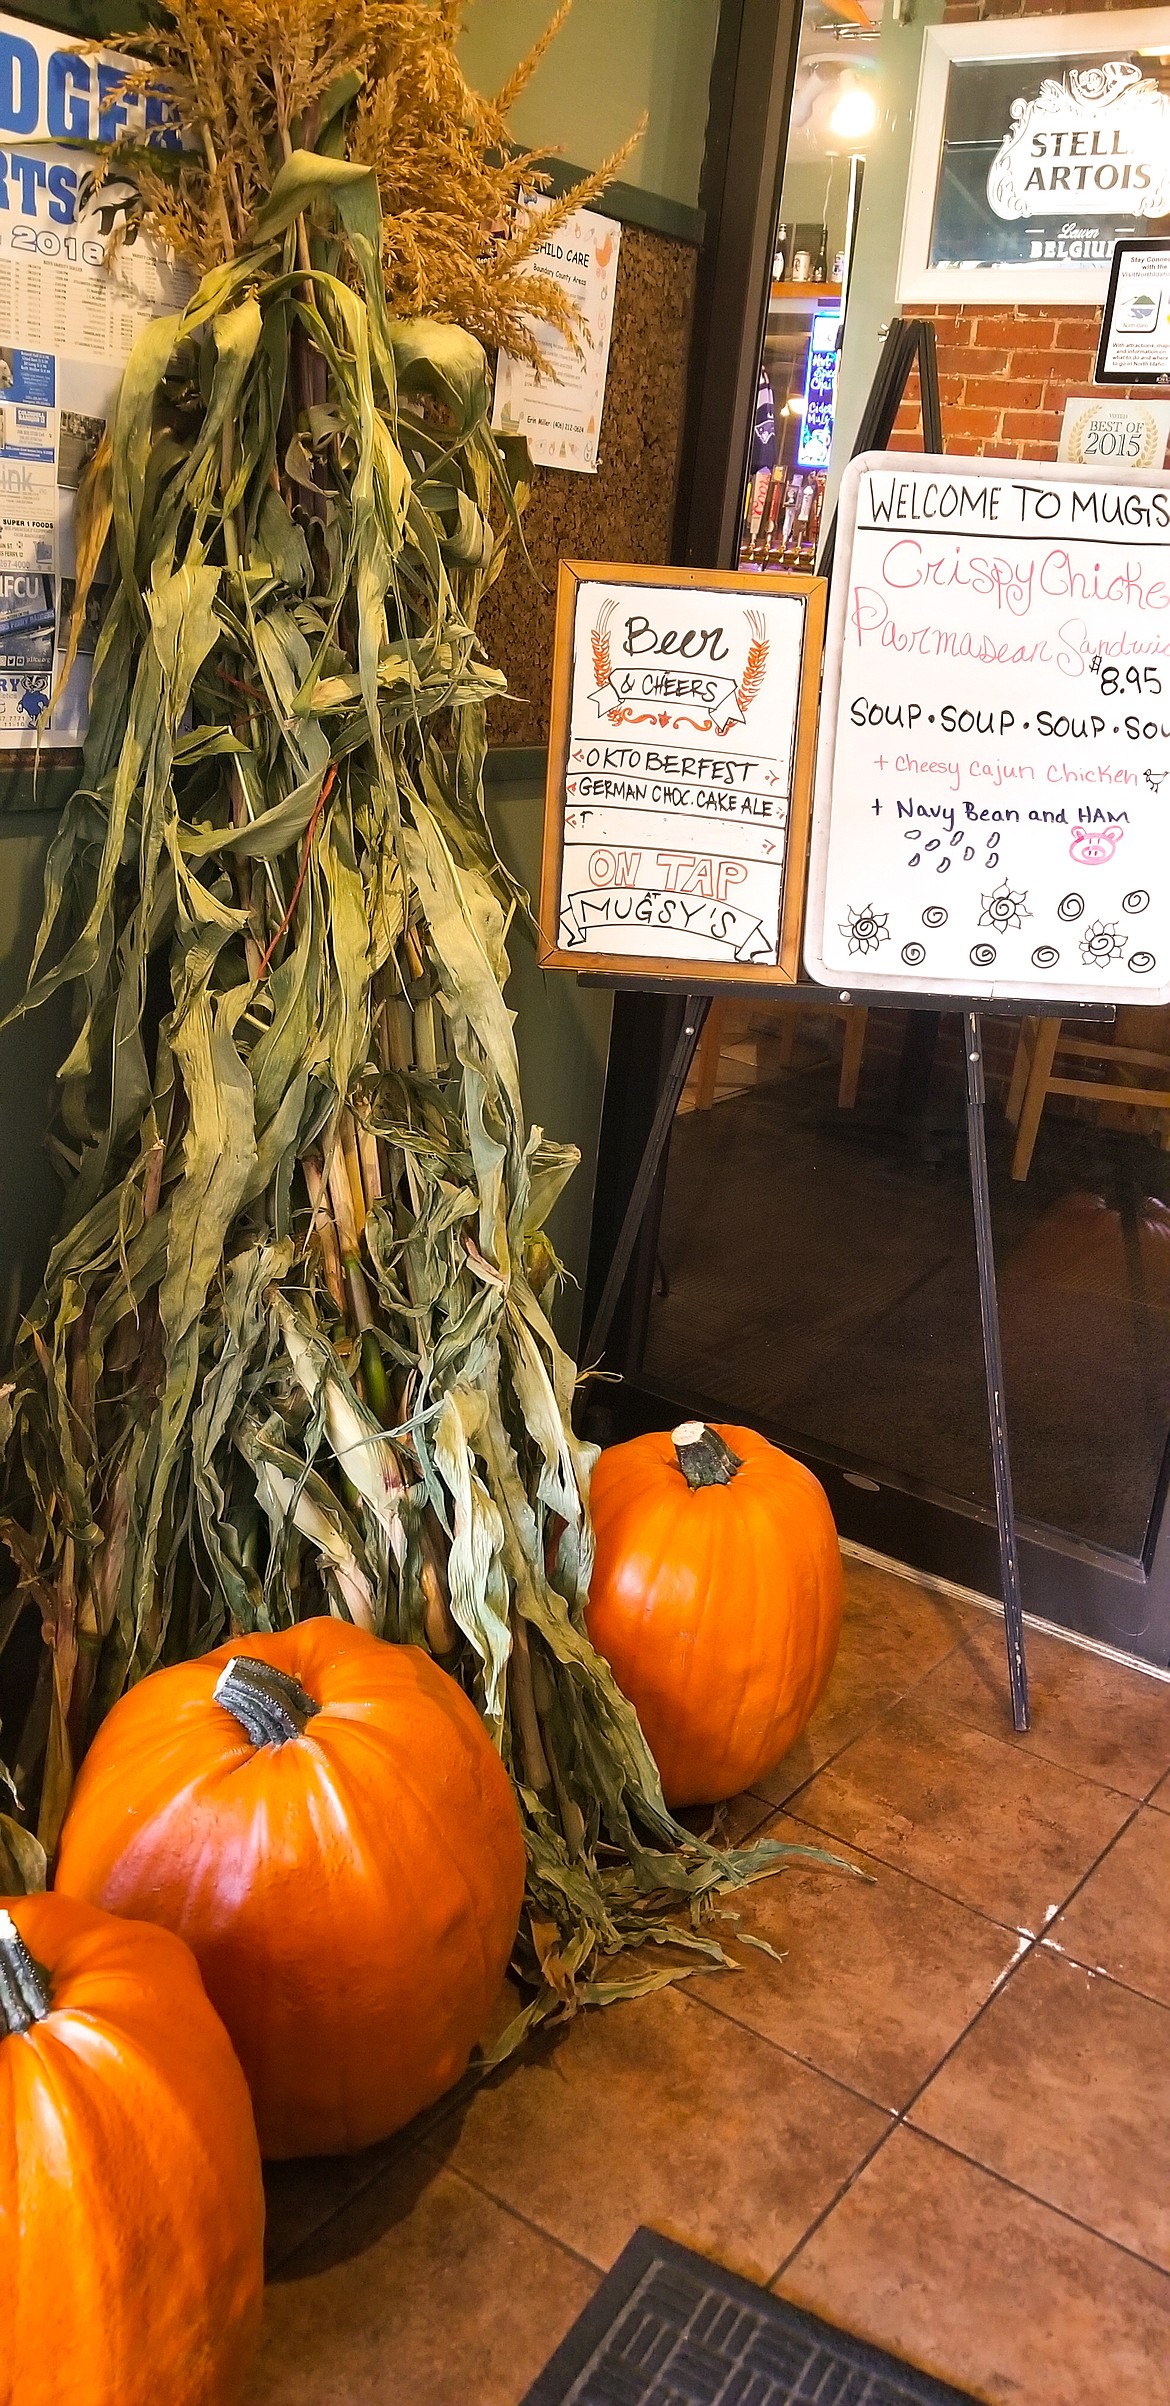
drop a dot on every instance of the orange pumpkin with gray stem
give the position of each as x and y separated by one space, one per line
131 2204
323 1817
716 1598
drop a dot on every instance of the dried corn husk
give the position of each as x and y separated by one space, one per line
286 1356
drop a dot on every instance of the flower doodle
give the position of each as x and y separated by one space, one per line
1003 909
1101 944
866 928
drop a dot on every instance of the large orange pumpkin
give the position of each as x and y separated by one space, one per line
716 1598
131 2204
325 1820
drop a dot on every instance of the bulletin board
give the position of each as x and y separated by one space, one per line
992 812
626 510
680 772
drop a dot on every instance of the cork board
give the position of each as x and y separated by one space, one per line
626 511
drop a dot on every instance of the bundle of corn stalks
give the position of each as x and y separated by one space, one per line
293 1350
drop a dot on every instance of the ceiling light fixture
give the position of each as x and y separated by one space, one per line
854 116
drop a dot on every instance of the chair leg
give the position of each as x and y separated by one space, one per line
1043 1055
852 1049
710 1047
1020 1067
786 1039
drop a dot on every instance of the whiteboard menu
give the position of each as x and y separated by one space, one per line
680 772
992 812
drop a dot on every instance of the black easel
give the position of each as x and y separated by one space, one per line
909 342
694 1020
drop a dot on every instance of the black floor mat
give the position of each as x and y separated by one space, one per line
667 2328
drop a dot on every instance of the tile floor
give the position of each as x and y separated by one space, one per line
943 2120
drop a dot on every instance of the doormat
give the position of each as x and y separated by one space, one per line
667 2328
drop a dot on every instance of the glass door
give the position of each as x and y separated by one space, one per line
811 1264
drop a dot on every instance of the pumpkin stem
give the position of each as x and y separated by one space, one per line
703 1458
25 1994
270 1705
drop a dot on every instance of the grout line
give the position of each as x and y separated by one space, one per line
1117 1656
837 2198
402 2145
275 2265
1090 2229
527 2221
747 2030
882 1713
946 1712
1031 1943
899 1871
1099 1971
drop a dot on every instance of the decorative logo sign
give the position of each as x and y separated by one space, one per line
1038 145
680 767
1098 138
1115 434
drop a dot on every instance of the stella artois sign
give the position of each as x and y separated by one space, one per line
1097 140
1039 144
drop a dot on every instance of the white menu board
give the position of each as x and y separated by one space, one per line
680 770
992 812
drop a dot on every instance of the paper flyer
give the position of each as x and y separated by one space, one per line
71 310
559 412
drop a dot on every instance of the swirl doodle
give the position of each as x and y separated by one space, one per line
1045 956
1136 901
934 915
1072 907
914 955
982 955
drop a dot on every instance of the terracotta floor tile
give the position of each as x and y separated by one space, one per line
300 2196
1118 1921
1000 1830
731 1824
936 2260
878 1980
661 2112
1161 1795
423 2293
893 1633
1095 1717
1062 2087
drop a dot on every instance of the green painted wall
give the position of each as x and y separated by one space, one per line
612 61
562 1030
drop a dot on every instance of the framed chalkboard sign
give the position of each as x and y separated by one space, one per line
992 813
680 772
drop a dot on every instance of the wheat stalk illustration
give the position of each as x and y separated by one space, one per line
757 661
599 642
753 675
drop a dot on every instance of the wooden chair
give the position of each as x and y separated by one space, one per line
1042 1043
852 1050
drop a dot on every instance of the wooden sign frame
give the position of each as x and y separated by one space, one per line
812 592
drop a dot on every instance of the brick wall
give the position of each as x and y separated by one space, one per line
1005 374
